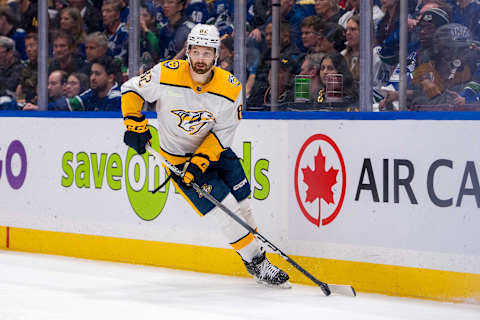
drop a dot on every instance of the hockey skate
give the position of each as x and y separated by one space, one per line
266 273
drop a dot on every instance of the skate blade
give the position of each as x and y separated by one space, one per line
285 285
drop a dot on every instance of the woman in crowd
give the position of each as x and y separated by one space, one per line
352 52
71 21
335 64
77 83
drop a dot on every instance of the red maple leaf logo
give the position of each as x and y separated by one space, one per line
319 181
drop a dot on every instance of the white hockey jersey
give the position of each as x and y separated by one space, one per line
190 115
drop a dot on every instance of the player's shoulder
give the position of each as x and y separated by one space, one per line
225 84
173 72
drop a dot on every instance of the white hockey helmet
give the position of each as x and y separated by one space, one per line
204 35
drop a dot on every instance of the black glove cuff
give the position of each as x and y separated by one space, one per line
138 119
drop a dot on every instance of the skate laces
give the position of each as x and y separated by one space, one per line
268 270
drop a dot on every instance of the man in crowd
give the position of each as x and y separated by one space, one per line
56 92
104 93
115 30
64 57
8 23
96 46
173 35
11 68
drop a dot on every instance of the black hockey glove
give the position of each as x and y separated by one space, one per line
137 134
194 168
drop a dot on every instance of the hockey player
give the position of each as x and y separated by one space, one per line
199 107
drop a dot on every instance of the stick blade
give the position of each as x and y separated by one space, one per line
344 290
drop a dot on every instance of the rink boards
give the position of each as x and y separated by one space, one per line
385 203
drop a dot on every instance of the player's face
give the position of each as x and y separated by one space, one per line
98 78
202 58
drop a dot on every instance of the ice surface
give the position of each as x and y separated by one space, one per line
35 286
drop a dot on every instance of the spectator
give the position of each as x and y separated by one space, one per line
352 52
225 60
451 70
104 93
355 9
173 35
8 23
11 69
77 83
96 46
56 93
72 23
294 13
467 12
115 30
28 15
311 33
64 57
27 89
91 16
257 81
335 64
196 11
389 25
333 39
286 74
328 10
419 53
311 68
149 39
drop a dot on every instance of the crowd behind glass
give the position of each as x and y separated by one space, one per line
319 51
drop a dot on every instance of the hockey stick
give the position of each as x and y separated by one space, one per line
326 288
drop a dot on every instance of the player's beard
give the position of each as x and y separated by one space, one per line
201 67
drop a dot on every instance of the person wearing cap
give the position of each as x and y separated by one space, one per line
450 72
419 53
286 74
199 107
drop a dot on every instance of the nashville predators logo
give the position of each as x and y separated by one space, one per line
193 121
233 80
171 64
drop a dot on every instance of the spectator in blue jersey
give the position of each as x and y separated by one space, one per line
467 12
8 23
221 15
196 11
11 69
64 57
115 30
172 36
104 93
56 93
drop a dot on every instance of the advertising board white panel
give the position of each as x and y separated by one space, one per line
392 192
